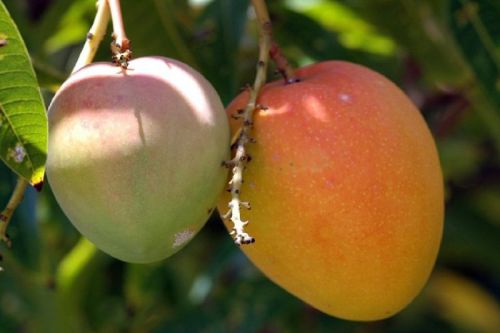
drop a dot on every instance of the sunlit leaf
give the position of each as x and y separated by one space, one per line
418 26
353 31
300 33
60 21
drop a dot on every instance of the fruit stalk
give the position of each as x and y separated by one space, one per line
94 36
242 137
282 65
120 47
118 28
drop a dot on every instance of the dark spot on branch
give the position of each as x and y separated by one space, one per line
245 158
90 36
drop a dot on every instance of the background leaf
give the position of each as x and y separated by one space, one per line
23 121
419 27
477 32
218 35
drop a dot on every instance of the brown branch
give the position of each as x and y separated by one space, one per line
6 214
94 36
120 46
242 137
282 65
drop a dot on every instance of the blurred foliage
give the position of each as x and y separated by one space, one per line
444 53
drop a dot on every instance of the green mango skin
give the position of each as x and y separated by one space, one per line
135 155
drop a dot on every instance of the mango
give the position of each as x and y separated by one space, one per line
346 191
135 155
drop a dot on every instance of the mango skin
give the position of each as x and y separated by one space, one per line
135 156
346 191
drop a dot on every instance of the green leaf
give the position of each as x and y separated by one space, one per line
418 26
353 31
421 28
72 23
218 36
296 31
163 31
476 30
23 120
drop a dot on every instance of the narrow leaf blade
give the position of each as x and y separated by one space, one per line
23 120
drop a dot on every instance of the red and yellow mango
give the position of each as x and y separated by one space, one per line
346 191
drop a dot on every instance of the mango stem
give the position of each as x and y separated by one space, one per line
94 36
120 46
242 137
282 65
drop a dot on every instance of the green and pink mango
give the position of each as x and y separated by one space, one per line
135 155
